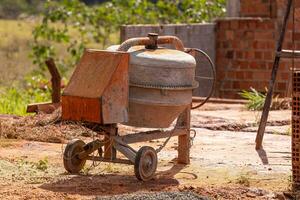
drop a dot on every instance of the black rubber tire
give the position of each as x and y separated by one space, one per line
71 162
145 163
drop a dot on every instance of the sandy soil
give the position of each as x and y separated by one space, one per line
224 163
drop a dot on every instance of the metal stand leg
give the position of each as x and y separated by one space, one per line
268 101
109 150
183 121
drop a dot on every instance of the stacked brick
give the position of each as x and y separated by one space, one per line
296 129
245 55
246 48
258 8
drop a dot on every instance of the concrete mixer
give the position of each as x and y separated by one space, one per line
138 83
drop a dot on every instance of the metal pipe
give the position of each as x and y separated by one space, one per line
150 42
268 101
171 40
120 161
126 152
90 148
134 42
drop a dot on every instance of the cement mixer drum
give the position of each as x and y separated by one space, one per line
160 85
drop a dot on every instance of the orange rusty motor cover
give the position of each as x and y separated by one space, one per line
98 89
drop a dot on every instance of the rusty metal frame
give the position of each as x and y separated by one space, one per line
121 143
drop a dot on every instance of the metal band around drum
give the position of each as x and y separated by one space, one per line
195 85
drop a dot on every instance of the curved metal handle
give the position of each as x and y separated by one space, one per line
171 40
213 77
150 41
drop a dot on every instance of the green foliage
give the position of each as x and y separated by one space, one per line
69 26
42 164
14 100
76 25
255 99
31 167
11 101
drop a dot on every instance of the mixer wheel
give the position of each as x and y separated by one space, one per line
72 163
145 163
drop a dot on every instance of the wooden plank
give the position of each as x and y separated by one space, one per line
81 109
288 54
150 135
47 108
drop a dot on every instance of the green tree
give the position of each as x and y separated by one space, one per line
74 24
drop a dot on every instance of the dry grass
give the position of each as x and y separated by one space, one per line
5 143
15 45
40 127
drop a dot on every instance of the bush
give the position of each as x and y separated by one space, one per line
69 26
14 100
256 100
76 25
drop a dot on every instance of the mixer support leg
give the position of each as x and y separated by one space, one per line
109 151
183 121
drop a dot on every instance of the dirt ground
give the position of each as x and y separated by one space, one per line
224 162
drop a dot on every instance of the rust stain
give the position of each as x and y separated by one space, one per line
81 109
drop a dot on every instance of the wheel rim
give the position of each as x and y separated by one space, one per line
74 156
147 165
72 162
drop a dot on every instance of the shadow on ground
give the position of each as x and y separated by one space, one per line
113 184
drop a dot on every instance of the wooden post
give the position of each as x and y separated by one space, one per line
55 80
183 121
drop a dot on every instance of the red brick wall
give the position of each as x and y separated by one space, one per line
258 8
246 49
